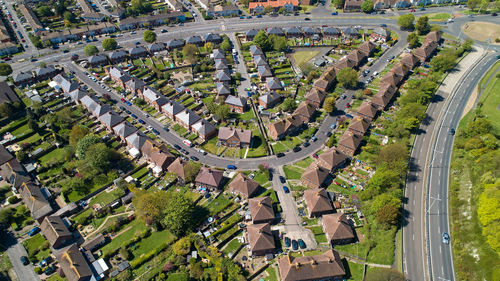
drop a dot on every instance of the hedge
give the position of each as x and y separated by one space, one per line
145 257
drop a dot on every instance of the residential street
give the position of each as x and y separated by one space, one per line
15 251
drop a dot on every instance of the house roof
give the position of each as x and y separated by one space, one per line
273 83
345 62
381 31
264 70
177 167
111 119
208 176
5 155
391 78
124 129
14 172
350 31
315 95
245 136
305 109
275 30
337 226
35 201
331 159
172 107
274 4
135 84
154 97
409 59
53 227
367 47
260 237
350 140
66 84
212 37
203 127
255 50
73 264
222 76
187 116
100 109
315 175
367 109
236 101
175 43
117 54
218 54
401 69
292 30
260 60
40 71
91 244
426 49
433 36
7 94
220 64
22 76
243 185
359 125
311 30
270 98
119 74
318 267
195 39
78 94
331 30
261 208
137 140
156 47
97 59
137 50
222 89
317 201
251 32
356 56
157 154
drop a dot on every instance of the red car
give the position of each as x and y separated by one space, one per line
412 10
122 99
347 105
315 155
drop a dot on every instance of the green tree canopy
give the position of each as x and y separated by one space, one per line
422 26
191 170
347 78
472 4
83 144
189 51
279 43
178 214
98 156
412 40
406 21
5 69
443 62
109 44
288 104
225 45
262 40
149 36
44 11
90 50
367 6
150 205
329 104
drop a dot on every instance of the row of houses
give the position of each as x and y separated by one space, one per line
355 5
307 32
264 70
37 75
73 34
259 7
150 20
7 45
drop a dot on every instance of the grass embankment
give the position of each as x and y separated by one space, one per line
474 187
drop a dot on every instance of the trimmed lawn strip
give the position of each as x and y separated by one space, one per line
293 173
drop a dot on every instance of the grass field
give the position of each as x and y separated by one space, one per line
134 227
301 57
482 31
293 173
150 243
438 16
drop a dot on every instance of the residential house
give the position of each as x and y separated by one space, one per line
213 37
205 4
260 60
244 186
204 129
269 100
100 109
384 96
380 34
304 112
410 60
118 75
137 52
223 11
367 48
350 32
331 32
433 36
195 40
73 264
187 118
391 78
359 126
349 143
278 31
97 60
237 104
318 202
172 108
259 7
338 229
5 155
315 97
156 47
77 95
23 78
221 64
322 84
222 76
401 70
357 57
293 32
35 201
110 120
123 130
218 54
260 239
256 51
93 16
135 85
345 62
14 173
175 5
94 243
332 159
273 84
136 140
261 209
265 72
352 5
55 231
312 32
234 137
222 89
178 167
367 110
65 84
314 176
7 95
425 51
175 44
279 129
326 266
117 56
154 98
157 155
46 72
209 178
250 34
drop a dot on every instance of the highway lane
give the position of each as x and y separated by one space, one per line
437 199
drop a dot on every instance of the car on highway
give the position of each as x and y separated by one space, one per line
282 179
242 17
314 138
202 151
288 242
166 129
295 245
231 167
307 19
446 238
285 189
163 31
334 13
281 154
347 105
259 16
249 17
302 244
194 158
297 149
452 131
25 260
383 25
188 143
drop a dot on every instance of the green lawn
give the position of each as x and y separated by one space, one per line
271 274
137 226
56 154
356 271
302 57
261 178
231 246
292 173
491 100
104 198
305 162
217 205
279 147
35 244
438 16
151 242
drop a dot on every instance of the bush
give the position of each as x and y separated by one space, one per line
13 200
38 270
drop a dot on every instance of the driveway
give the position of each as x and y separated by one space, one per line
241 68
15 250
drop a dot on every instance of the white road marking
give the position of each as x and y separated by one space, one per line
413 236
442 270
440 250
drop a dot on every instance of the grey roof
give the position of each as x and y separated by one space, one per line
137 50
89 102
212 37
203 127
269 97
154 96
311 30
40 71
97 59
21 76
220 64
331 30
222 76
260 60
175 43
222 89
251 32
135 83
350 31
78 94
381 31
218 54
156 47
273 83
293 30
111 119
195 39
236 101
124 129
137 139
117 55
187 117
119 74
264 71
172 107
275 31
101 109
255 50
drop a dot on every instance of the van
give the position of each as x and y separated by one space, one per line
188 143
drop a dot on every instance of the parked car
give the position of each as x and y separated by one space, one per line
202 151
285 189
302 244
231 167
328 134
177 146
155 131
452 131
297 149
25 260
166 128
194 158
281 154
133 116
288 242
33 231
128 103
282 179
142 121
295 245
314 138
306 144
334 13
49 270
315 155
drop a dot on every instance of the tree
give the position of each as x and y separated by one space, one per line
69 16
422 26
182 247
392 155
472 4
268 9
367 6
329 104
33 125
109 44
44 11
6 109
98 156
149 36
209 46
388 215
5 69
225 45
76 134
90 50
406 21
191 170
443 62
178 214
124 253
189 51
83 145
223 111
5 216
262 40
412 40
347 78
288 104
279 43
60 8
149 206
339 4
383 200
384 274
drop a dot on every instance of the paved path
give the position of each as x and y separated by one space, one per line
15 251
241 68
